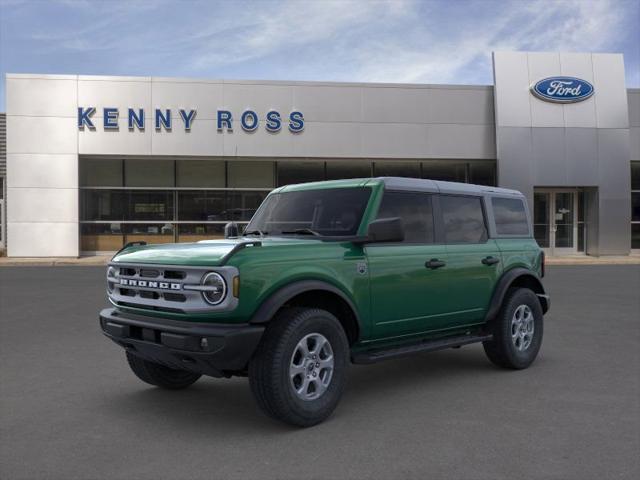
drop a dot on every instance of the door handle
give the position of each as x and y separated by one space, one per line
434 263
490 260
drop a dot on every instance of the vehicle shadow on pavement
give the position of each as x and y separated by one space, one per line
219 406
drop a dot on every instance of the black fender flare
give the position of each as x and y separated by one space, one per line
277 299
506 280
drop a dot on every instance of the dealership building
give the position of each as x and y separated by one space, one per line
95 162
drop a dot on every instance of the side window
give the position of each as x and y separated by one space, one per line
463 219
415 211
510 216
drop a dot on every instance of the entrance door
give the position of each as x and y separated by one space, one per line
555 220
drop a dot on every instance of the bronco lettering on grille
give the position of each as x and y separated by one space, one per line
129 282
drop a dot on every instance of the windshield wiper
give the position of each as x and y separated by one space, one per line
302 231
255 232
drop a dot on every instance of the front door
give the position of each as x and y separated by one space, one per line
555 220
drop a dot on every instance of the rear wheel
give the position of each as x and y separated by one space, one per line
298 373
517 330
159 375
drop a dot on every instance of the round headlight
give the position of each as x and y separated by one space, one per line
111 275
216 288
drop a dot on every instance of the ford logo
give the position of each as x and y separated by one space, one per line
562 89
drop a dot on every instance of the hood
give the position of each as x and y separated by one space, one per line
206 252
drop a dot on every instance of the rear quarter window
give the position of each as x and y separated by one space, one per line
510 216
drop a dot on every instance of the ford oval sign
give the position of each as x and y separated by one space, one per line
562 89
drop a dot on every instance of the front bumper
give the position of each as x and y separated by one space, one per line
545 301
216 350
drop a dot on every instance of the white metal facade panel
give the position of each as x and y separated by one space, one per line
612 108
581 114
41 170
41 239
544 114
42 208
44 97
582 144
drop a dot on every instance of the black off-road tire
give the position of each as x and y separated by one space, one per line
501 349
269 374
159 375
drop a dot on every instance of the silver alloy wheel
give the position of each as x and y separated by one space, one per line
522 327
311 366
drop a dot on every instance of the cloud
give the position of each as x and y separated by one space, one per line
434 41
286 26
571 25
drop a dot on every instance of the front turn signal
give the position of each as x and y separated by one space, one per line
236 286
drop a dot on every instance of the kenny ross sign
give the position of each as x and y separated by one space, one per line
162 119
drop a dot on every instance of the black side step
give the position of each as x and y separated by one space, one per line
377 355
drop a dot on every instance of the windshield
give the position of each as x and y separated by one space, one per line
327 212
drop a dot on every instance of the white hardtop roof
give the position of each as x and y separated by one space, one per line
425 185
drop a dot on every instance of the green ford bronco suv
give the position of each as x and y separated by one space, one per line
327 274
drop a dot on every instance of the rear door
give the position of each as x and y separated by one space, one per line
474 261
407 296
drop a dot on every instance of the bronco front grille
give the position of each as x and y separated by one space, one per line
162 288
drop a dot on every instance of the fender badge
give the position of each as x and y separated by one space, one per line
361 268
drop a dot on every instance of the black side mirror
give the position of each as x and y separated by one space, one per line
231 230
386 230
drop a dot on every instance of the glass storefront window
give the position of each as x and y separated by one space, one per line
243 174
149 173
397 169
446 171
101 172
149 232
201 205
242 205
101 237
635 235
635 175
200 173
635 206
346 169
296 171
149 205
102 205
129 192
194 232
483 173
212 206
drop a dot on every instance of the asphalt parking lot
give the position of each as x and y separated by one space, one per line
71 409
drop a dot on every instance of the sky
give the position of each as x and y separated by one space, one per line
403 41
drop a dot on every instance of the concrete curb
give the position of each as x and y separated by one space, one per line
586 260
54 262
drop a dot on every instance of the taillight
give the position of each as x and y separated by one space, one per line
542 259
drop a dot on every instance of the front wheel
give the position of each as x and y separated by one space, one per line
159 375
298 373
517 330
